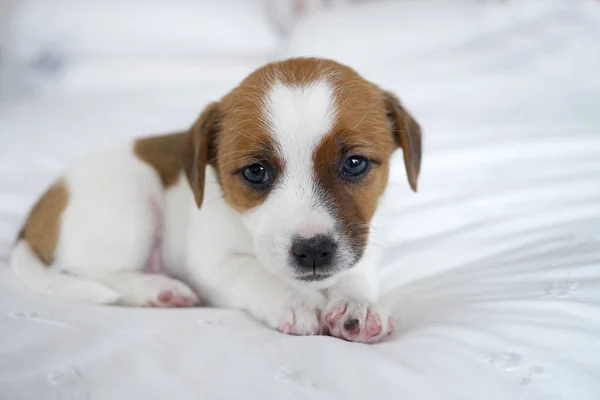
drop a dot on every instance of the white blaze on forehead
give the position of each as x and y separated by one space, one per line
298 117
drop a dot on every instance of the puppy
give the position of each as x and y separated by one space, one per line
265 204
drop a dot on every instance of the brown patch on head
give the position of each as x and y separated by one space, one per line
230 135
371 124
353 201
243 137
361 129
42 228
233 134
244 140
163 153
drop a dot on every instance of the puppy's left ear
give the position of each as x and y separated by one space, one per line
200 149
407 134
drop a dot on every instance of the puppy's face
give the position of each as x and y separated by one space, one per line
302 150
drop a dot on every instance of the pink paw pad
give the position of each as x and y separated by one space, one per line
168 298
357 322
334 316
286 328
372 325
300 322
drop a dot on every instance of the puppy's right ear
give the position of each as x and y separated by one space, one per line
407 134
200 149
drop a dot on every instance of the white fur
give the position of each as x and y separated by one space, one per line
109 223
108 228
298 118
118 209
40 279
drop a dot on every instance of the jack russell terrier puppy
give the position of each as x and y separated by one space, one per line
265 204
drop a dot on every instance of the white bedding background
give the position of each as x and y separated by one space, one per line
493 268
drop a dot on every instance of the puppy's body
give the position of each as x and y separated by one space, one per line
287 168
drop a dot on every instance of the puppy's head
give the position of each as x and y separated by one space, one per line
301 149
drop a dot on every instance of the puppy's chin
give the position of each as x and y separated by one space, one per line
304 281
320 280
314 281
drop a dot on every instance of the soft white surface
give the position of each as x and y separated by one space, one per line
130 28
494 267
66 45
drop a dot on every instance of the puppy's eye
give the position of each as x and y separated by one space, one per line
354 167
257 175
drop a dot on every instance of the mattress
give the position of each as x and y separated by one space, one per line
492 268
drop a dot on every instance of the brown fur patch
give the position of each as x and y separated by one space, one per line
243 139
163 153
365 126
239 136
199 149
407 133
42 228
361 129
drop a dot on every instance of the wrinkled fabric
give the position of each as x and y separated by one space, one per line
492 268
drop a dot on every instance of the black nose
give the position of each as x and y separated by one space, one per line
315 252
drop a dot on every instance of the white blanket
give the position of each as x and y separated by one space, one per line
493 268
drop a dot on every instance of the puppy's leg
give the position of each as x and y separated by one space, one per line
244 283
139 289
111 232
352 312
127 252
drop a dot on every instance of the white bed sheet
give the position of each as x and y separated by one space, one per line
493 269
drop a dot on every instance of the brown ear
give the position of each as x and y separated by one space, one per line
200 149
407 134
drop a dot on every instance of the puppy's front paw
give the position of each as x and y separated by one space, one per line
357 321
298 316
150 290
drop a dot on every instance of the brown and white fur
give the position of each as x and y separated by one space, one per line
295 251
